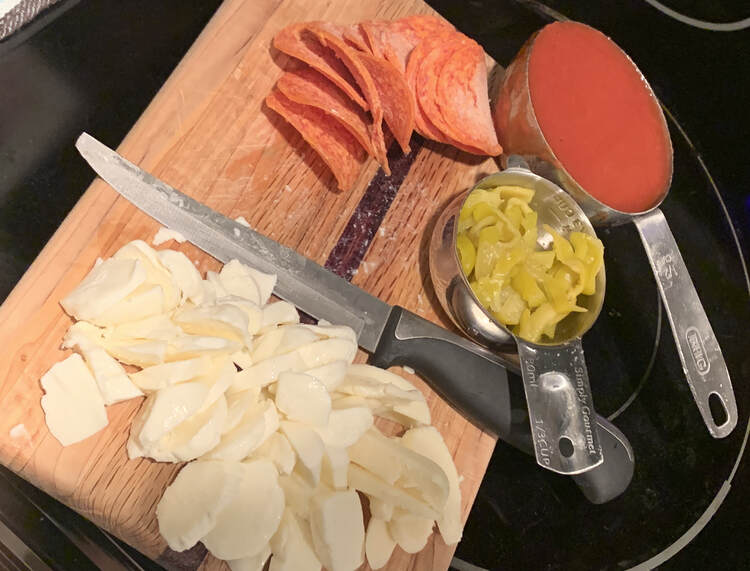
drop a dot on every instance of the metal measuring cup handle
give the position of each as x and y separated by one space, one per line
702 361
561 408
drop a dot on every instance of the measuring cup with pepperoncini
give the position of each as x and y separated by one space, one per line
515 261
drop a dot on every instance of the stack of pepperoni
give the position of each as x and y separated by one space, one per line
416 73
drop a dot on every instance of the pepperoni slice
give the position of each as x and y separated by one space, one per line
296 41
423 73
396 98
350 34
375 32
335 145
362 76
461 95
396 40
309 87
436 52
354 36
422 123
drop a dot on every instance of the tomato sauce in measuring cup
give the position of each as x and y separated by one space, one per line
599 116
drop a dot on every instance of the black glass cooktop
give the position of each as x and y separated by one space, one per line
51 89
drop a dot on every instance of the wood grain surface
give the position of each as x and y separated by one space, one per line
208 133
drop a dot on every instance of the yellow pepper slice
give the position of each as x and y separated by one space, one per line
520 192
483 210
467 254
487 255
507 259
525 284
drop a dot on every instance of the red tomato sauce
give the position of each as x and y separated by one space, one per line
599 117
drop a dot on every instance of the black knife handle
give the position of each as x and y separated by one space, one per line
464 374
474 382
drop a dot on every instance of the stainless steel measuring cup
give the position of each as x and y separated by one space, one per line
558 395
702 361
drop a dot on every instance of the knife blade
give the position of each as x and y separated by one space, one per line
469 377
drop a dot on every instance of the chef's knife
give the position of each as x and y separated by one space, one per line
470 378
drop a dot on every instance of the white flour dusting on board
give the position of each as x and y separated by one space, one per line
20 435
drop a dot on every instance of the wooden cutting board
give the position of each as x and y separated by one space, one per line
208 134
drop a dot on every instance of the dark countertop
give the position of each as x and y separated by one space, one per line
96 65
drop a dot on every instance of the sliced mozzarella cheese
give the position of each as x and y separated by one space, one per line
346 426
164 410
242 359
396 464
335 467
106 284
190 346
113 382
298 493
308 446
238 404
341 401
294 336
235 280
255 427
146 301
278 450
165 235
189 508
368 483
331 374
239 279
303 398
381 510
218 380
253 562
379 544
83 335
428 441
332 331
161 376
158 328
328 350
410 531
383 376
73 406
139 353
279 313
252 310
156 273
192 438
184 273
267 371
292 546
271 419
411 413
372 388
265 344
220 320
245 525
308 356
338 530
210 295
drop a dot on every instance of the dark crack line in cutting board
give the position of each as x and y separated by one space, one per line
352 245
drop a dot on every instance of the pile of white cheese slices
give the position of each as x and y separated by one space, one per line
272 416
